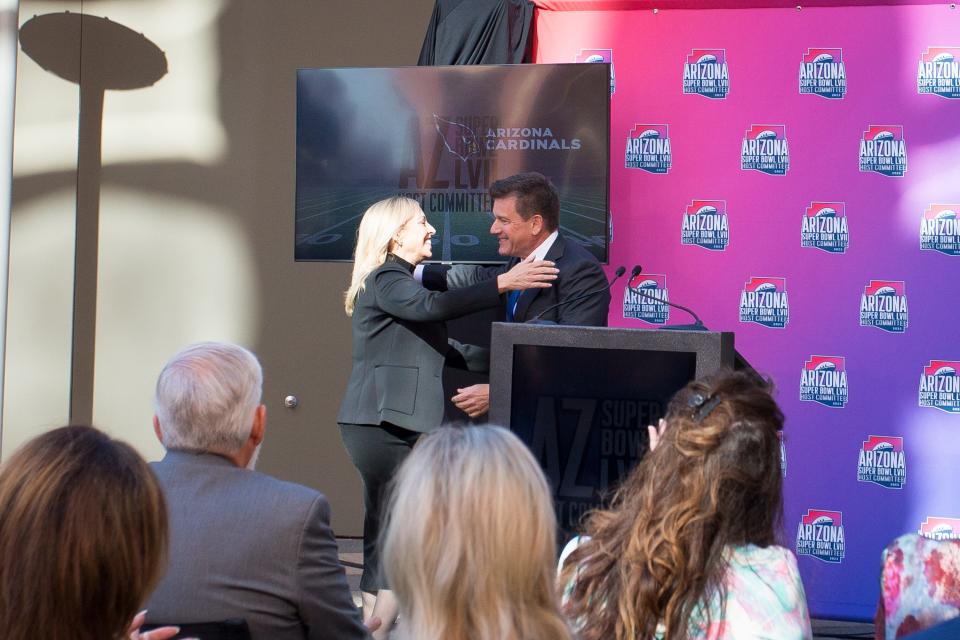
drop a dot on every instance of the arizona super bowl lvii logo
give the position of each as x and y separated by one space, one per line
884 305
939 72
764 148
648 148
940 386
824 380
822 73
705 225
883 150
820 535
705 73
645 298
883 462
940 229
939 528
825 227
764 301
599 56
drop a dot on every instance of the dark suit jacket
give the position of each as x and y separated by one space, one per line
400 345
246 545
580 272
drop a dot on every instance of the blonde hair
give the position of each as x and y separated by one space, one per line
83 537
469 546
379 224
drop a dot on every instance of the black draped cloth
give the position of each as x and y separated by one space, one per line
478 32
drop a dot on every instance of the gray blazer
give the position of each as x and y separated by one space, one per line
400 346
246 545
579 273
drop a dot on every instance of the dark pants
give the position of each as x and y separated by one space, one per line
376 452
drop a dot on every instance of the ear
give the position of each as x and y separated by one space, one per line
536 224
156 429
259 424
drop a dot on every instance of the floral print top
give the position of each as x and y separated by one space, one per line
920 585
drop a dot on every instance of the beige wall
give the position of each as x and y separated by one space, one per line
195 221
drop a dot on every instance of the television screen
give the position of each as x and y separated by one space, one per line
442 135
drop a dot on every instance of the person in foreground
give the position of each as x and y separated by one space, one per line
400 346
242 544
469 545
688 548
526 222
83 536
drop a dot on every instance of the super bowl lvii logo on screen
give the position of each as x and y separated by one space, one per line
820 535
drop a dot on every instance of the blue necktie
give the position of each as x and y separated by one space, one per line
512 303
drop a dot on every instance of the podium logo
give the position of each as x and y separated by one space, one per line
705 73
883 150
764 149
825 227
882 462
822 73
764 301
648 148
705 225
939 72
940 386
645 298
599 56
938 528
820 534
824 380
940 230
884 305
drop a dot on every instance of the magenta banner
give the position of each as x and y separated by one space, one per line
794 176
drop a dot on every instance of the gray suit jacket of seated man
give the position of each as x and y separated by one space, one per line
246 545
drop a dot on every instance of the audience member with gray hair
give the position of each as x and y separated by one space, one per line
242 544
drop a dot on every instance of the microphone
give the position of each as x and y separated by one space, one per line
536 319
698 323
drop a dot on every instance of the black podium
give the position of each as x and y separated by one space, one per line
581 398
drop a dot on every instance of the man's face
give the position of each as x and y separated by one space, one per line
518 237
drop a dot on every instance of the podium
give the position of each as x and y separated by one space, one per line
581 398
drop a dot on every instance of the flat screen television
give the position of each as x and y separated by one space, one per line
581 398
441 135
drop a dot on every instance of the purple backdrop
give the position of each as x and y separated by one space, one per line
810 249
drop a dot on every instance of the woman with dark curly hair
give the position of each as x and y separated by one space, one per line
688 548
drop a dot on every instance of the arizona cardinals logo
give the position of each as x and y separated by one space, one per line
459 139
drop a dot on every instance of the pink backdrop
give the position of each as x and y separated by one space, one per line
865 460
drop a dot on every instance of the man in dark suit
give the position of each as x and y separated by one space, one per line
242 544
526 221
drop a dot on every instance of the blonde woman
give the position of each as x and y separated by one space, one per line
469 546
400 346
